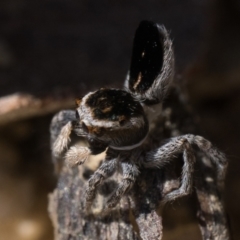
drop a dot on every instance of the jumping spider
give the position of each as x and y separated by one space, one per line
118 122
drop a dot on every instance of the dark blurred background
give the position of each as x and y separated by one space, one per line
52 51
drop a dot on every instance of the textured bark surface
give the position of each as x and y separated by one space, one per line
124 222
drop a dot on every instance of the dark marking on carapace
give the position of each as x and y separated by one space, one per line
113 105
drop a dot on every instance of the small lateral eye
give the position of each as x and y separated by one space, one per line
84 127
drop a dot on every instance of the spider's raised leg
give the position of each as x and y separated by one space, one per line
107 168
217 157
182 144
166 153
130 173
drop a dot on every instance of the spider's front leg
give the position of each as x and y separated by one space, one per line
107 169
130 173
62 125
166 153
60 130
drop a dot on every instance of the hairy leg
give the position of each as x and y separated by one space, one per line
165 154
182 144
216 156
130 173
187 175
104 171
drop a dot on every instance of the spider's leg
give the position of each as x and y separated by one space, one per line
130 173
166 153
217 157
60 130
187 174
104 171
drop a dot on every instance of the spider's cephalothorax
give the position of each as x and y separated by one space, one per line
118 120
112 117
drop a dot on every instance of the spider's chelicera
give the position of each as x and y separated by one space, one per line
117 121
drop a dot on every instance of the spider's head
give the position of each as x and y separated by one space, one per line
111 117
